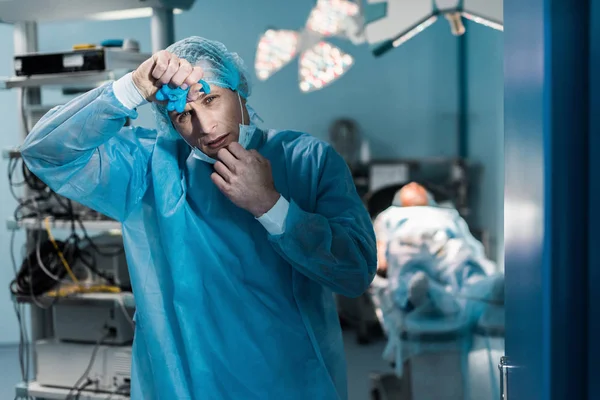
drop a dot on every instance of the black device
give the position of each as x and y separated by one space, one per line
84 60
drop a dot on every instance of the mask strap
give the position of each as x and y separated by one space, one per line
241 108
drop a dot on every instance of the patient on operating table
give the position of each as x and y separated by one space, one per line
433 276
427 253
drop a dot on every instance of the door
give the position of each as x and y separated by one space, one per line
593 373
548 211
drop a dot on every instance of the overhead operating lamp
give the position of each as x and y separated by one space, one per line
320 63
389 23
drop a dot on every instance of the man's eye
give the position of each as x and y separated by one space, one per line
209 99
183 116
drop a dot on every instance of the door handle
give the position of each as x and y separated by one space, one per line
503 367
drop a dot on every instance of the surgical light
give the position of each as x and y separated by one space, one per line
320 63
327 18
275 49
390 23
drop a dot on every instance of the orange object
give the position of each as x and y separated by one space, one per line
84 46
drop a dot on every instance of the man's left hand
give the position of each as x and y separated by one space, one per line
245 177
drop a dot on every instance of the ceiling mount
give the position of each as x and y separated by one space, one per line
389 23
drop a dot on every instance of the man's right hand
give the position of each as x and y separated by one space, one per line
165 68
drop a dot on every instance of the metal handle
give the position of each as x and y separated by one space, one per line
503 367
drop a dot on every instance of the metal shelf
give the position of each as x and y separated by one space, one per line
35 390
12 152
87 299
90 225
74 79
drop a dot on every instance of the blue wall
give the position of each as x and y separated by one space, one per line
485 128
406 102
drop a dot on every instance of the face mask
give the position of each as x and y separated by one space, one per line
246 133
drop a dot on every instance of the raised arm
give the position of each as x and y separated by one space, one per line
83 151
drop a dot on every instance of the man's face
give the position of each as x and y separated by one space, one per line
212 121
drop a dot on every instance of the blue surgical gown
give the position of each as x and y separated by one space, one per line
224 310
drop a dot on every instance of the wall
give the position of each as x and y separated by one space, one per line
405 102
9 137
485 128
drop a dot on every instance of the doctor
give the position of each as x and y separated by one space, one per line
236 237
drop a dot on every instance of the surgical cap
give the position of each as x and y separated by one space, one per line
221 67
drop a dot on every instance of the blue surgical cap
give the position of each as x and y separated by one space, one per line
221 67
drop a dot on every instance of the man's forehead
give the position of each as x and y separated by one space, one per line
214 89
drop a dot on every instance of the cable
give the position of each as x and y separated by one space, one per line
44 268
59 252
23 335
125 313
40 261
31 279
123 389
45 202
33 182
89 366
82 387
120 251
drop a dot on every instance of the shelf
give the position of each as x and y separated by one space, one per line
84 299
12 152
35 390
90 226
74 79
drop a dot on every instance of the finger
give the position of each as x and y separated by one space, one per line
219 182
195 75
194 92
147 67
228 159
161 63
185 68
171 70
238 151
255 153
223 171
258 157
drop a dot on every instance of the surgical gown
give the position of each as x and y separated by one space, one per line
224 310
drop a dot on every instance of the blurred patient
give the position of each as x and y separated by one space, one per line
427 252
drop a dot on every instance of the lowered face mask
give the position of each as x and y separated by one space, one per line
246 133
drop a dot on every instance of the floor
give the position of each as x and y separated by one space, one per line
362 360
